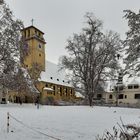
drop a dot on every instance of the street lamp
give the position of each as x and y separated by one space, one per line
119 84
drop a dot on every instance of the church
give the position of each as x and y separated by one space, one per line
52 83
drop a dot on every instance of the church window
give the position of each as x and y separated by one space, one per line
39 54
66 90
46 85
125 96
60 89
51 77
57 79
63 81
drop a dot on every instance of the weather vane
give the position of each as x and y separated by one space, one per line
32 22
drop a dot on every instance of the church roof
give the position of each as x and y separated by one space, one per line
53 74
133 81
32 27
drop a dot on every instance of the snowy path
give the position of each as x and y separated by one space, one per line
63 122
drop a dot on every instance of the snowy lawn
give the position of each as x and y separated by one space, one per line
63 122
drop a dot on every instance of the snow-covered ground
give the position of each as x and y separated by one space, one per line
63 122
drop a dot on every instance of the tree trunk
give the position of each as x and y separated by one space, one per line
90 101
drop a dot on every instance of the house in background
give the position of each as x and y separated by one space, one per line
126 95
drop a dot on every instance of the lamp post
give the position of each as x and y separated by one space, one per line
119 84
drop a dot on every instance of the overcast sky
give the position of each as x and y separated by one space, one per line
59 19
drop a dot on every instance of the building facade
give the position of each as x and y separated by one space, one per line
51 82
129 95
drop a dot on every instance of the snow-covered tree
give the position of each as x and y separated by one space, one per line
9 44
132 42
92 56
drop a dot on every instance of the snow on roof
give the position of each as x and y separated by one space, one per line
48 89
132 80
109 85
53 74
78 94
135 80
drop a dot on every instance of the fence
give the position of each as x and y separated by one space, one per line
9 117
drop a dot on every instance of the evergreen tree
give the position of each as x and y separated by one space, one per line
132 42
9 45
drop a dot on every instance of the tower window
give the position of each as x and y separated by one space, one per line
25 34
51 77
39 34
28 33
57 79
39 54
39 46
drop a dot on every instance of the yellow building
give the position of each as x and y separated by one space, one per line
52 83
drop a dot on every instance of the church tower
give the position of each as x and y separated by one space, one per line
35 45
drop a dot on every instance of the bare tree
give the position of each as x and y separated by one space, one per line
92 57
